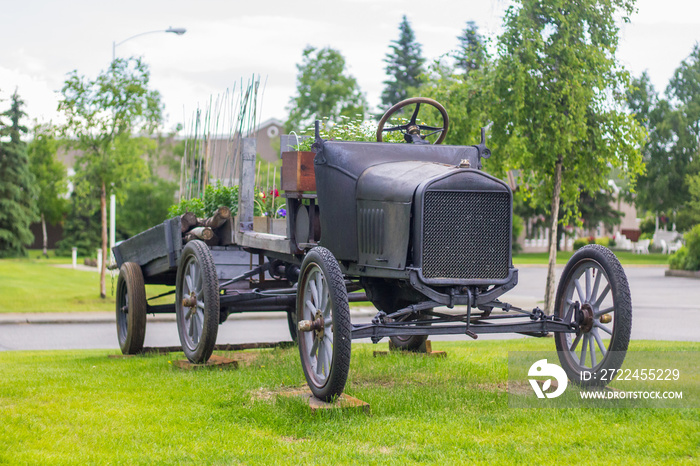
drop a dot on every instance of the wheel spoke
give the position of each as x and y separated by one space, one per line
190 329
190 285
319 289
581 296
603 328
575 343
602 295
582 359
395 128
329 355
595 287
569 314
592 349
314 348
321 358
430 128
589 282
415 114
314 291
599 341
310 306
200 304
604 311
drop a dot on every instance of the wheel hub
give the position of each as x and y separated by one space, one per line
587 318
316 325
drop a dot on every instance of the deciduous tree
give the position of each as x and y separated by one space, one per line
50 176
560 118
102 116
324 89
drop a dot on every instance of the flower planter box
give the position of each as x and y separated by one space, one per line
298 171
275 226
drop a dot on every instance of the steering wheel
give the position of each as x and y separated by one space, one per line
411 130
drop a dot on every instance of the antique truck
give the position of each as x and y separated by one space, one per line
418 226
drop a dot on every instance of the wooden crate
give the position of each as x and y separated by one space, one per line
298 171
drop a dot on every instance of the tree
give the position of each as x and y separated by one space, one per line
472 54
17 190
50 175
467 96
560 118
673 124
324 89
102 115
404 66
81 228
146 204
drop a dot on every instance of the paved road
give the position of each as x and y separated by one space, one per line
665 308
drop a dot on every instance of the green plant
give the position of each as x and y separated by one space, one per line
603 241
692 242
214 197
350 130
678 259
269 204
580 242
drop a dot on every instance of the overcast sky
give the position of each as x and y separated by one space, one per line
227 40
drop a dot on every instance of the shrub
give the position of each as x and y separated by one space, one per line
678 258
692 242
580 242
603 241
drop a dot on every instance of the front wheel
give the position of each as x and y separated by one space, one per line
594 279
325 332
197 302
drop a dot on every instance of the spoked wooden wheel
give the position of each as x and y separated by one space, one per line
131 308
325 331
197 302
594 280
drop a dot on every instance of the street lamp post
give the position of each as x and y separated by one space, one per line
115 44
112 198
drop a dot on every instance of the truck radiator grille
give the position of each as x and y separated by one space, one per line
466 235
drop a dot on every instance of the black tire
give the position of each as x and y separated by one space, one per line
612 299
320 272
197 325
131 308
412 343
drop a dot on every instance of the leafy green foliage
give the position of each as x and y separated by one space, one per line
101 117
146 205
404 66
688 257
81 228
17 184
324 89
348 129
472 54
214 197
560 119
49 173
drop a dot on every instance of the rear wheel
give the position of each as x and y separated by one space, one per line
325 331
131 308
595 280
197 302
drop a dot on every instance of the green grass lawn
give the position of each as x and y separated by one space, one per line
35 284
625 257
82 407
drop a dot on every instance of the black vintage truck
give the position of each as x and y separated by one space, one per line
418 226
